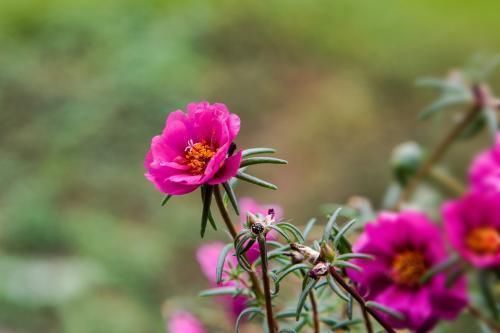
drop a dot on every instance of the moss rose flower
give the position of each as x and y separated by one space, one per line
405 245
473 227
195 148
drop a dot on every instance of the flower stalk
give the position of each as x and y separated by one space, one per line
480 93
230 227
267 287
314 310
366 310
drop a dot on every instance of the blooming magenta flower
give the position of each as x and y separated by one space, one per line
405 246
207 256
194 149
473 227
184 322
484 173
249 205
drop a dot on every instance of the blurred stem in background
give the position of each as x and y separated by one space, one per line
481 96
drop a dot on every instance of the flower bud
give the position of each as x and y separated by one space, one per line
406 159
307 253
326 253
320 269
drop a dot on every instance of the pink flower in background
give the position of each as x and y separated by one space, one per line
184 322
405 246
252 206
207 256
194 149
472 225
484 173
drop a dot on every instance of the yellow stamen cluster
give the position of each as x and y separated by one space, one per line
484 240
197 156
408 267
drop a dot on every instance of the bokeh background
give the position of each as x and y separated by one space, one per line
85 84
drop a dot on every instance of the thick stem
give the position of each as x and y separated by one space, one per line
493 326
360 301
442 147
267 286
314 308
230 227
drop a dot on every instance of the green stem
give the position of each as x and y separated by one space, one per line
314 308
267 287
230 227
366 310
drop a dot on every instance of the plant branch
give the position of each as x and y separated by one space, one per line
490 323
479 100
361 302
267 286
314 308
230 227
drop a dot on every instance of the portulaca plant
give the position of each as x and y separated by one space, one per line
402 270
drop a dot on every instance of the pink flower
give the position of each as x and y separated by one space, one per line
405 246
249 205
207 256
184 322
484 173
472 225
194 149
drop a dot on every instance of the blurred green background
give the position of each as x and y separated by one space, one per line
85 84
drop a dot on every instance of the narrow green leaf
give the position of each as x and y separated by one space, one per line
349 256
342 231
303 296
232 197
285 314
486 289
329 225
452 260
347 264
328 321
444 102
336 289
261 160
289 270
244 313
350 306
165 200
385 309
293 230
207 200
281 232
490 115
439 84
256 181
346 324
308 228
220 291
221 260
257 151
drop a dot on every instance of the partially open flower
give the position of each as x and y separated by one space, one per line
207 256
195 148
473 228
260 224
249 205
184 322
405 246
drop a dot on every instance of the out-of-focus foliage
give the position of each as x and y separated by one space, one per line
84 84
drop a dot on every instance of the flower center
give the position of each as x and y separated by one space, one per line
484 240
408 267
198 155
